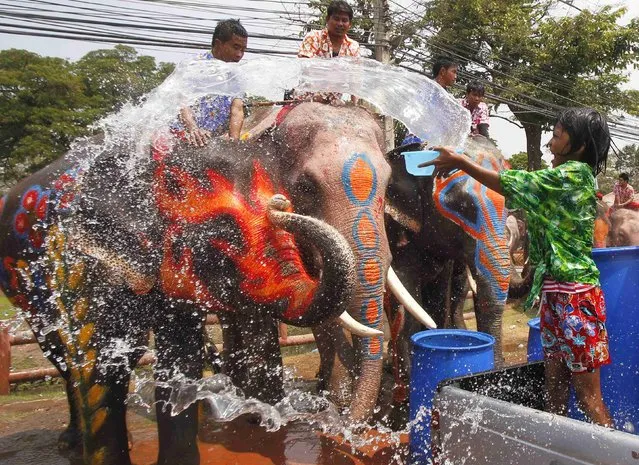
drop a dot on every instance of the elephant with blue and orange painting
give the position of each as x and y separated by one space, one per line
446 235
99 253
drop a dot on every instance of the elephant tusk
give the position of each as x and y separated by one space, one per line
407 300
471 281
356 328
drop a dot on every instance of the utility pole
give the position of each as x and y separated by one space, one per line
382 54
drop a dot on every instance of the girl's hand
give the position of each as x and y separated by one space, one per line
446 162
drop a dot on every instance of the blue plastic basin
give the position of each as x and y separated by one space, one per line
440 354
619 268
535 350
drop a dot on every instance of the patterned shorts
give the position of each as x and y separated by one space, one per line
573 329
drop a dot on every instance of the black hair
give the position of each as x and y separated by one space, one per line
625 177
226 29
475 86
589 129
339 6
443 62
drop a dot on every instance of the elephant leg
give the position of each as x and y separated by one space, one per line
337 361
261 349
403 325
233 357
252 356
179 346
458 292
489 313
71 437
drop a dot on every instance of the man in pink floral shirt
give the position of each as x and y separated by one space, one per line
624 193
331 41
474 102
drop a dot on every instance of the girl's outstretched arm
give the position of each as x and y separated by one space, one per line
448 160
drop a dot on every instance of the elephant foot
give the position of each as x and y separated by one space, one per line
69 440
397 417
185 458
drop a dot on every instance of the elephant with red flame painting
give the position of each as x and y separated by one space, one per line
98 254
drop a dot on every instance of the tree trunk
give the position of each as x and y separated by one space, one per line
533 145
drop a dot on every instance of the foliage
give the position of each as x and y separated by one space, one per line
45 102
118 75
537 59
519 161
627 161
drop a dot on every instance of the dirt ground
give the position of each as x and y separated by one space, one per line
34 414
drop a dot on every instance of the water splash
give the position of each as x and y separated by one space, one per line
421 104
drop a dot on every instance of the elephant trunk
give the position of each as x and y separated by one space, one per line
520 284
335 290
366 234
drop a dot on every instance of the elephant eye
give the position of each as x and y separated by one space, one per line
304 193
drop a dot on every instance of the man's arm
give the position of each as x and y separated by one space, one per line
237 119
194 135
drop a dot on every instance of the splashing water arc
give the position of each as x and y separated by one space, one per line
420 103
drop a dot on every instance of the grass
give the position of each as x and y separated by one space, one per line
7 310
37 390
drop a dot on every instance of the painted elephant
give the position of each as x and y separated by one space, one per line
624 228
441 231
97 257
331 163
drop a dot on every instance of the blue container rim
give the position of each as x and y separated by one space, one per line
615 251
534 323
421 338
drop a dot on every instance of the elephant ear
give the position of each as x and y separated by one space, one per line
481 213
403 196
114 221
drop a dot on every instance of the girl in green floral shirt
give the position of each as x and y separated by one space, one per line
560 205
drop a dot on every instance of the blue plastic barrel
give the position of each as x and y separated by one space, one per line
440 354
535 350
619 268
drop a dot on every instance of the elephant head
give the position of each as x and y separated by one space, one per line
624 228
231 240
331 163
444 233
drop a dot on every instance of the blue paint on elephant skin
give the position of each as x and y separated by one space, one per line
346 180
360 242
359 179
488 229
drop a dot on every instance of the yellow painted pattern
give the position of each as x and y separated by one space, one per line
95 395
98 457
98 420
66 278
85 336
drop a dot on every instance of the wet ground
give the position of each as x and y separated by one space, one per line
29 431
30 424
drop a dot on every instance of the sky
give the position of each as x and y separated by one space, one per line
266 17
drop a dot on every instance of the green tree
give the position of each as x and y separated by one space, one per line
118 75
43 107
519 161
536 59
627 160
45 102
